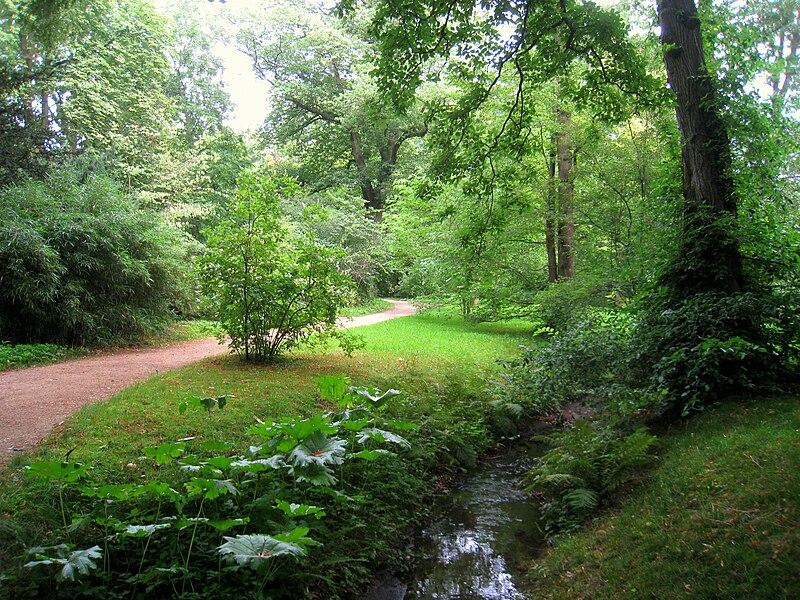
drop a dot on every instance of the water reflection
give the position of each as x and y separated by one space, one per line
484 531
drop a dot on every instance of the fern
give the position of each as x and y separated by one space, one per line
581 499
585 463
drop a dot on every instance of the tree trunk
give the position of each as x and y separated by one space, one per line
710 258
550 218
373 196
566 193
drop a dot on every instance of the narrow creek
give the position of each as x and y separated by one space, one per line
482 535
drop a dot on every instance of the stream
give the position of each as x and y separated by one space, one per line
482 534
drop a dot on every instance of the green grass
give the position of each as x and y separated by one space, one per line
27 355
14 356
367 308
423 355
719 518
440 363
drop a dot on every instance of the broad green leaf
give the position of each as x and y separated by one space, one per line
214 446
165 453
371 455
375 397
225 524
255 550
355 425
380 435
210 488
144 530
259 465
111 492
81 562
297 536
318 448
58 470
313 473
332 387
300 510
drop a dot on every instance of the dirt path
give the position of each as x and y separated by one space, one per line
34 400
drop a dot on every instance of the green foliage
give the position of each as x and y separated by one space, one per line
437 359
78 562
180 519
83 265
585 463
587 363
23 355
570 301
270 289
705 346
717 515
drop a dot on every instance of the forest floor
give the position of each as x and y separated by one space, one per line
37 399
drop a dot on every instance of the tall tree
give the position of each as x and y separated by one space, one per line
710 259
327 111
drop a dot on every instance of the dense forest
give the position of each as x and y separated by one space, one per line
622 178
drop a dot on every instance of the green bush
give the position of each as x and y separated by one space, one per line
585 463
82 264
268 287
587 364
705 346
218 523
566 303
21 355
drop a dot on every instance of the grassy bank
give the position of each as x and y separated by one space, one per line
718 518
438 361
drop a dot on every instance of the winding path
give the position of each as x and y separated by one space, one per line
36 399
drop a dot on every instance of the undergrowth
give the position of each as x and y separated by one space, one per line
718 518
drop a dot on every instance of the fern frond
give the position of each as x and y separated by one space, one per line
581 499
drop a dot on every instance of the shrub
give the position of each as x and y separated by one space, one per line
269 289
566 303
707 345
21 355
82 264
587 363
585 463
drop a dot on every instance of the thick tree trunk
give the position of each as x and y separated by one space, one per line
373 196
710 259
566 193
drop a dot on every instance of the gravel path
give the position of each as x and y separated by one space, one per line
36 399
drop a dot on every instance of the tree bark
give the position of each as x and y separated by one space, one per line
710 258
550 218
566 193
373 196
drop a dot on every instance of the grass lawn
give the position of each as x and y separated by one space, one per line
427 356
719 517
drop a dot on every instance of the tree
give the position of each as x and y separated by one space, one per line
269 288
709 259
327 114
81 263
195 78
85 77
